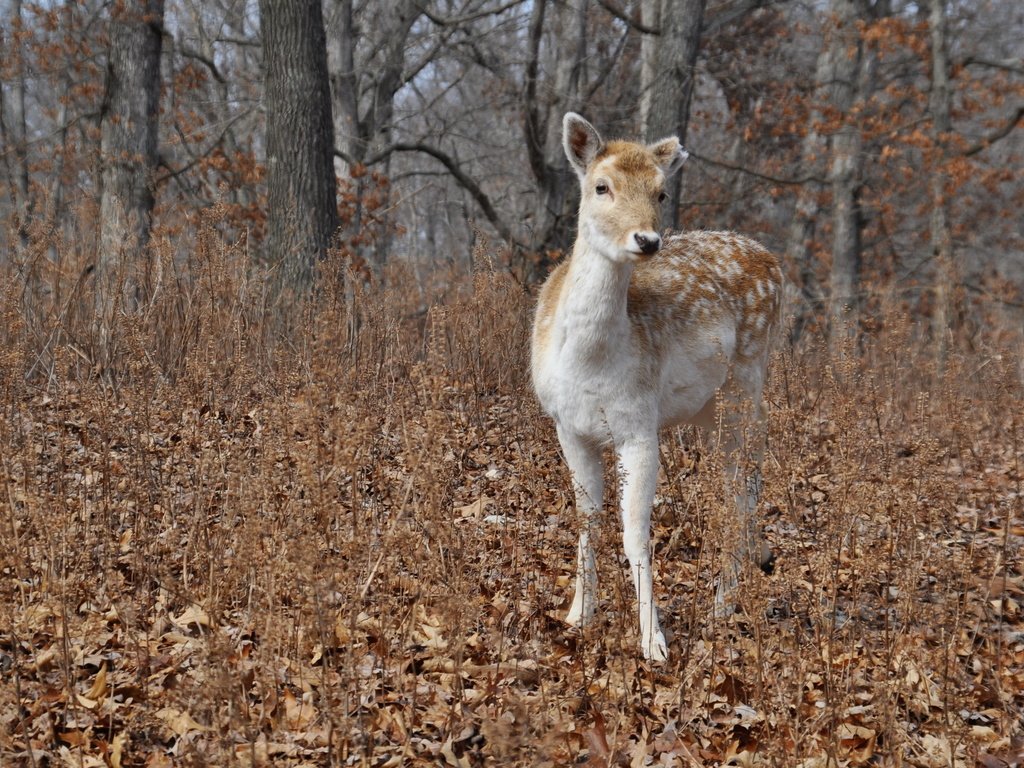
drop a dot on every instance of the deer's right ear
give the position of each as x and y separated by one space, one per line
582 142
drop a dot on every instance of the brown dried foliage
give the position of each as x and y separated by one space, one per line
339 532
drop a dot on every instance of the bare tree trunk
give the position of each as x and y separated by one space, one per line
364 129
739 185
301 186
128 140
389 82
15 126
340 26
844 177
555 210
650 15
543 109
941 242
813 152
128 157
55 198
675 56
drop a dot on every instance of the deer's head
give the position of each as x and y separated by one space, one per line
623 184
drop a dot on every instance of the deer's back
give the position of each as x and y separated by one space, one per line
706 279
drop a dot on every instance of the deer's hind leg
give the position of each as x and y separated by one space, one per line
737 423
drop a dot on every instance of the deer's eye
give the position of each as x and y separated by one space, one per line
601 189
661 197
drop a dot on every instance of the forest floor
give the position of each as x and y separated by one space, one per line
357 549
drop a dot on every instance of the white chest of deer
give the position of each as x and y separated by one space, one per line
632 335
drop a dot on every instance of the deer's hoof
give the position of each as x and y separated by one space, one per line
579 617
655 648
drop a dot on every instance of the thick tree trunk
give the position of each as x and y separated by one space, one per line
556 214
813 153
14 125
941 243
675 56
544 105
301 186
650 16
844 177
128 134
128 156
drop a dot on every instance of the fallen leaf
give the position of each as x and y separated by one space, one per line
298 712
117 749
99 684
180 722
475 509
448 753
192 615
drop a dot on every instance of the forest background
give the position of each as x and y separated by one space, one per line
276 489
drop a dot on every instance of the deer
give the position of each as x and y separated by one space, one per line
634 333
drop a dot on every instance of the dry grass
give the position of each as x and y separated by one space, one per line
339 532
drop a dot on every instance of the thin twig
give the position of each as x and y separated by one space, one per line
373 572
757 174
1001 132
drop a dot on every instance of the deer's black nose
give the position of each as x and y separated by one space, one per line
649 243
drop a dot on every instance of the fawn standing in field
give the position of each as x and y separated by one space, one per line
631 335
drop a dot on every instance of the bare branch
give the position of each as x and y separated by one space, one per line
732 12
1008 65
606 70
999 133
533 128
980 289
454 21
428 58
173 173
725 16
464 180
622 16
205 60
349 160
244 41
757 174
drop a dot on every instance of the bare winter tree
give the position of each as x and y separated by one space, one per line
939 103
13 124
129 129
844 172
813 151
528 82
544 104
301 186
366 57
671 88
650 17
216 51
445 124
128 157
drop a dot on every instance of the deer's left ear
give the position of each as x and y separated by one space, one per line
669 154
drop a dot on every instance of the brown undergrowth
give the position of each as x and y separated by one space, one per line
339 532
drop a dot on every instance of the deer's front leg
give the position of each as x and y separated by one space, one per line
638 470
587 471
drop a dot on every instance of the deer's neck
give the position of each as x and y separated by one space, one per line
593 306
